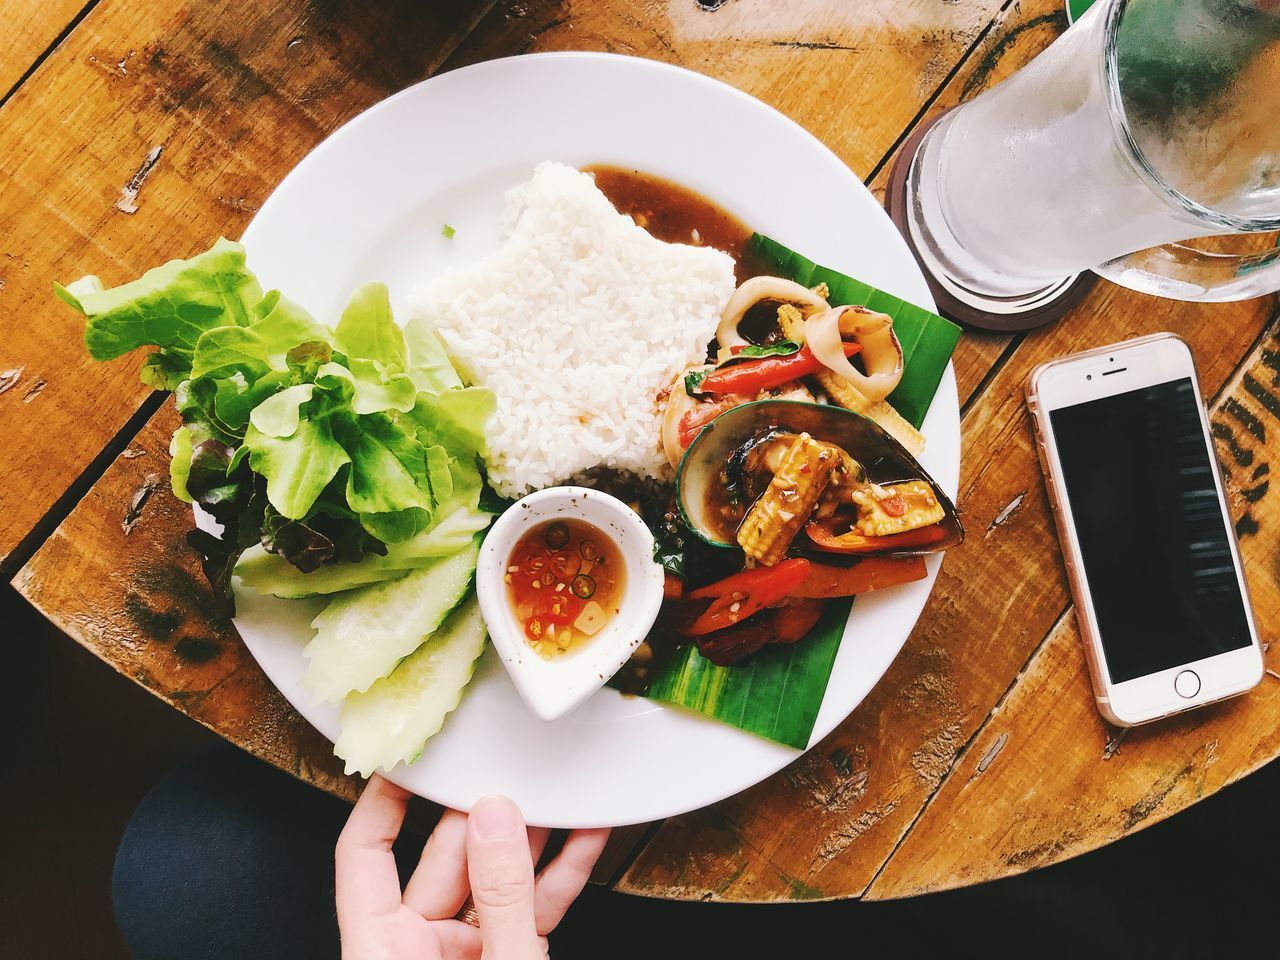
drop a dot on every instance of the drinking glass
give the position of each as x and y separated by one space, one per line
1146 124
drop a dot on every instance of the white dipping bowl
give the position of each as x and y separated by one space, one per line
551 688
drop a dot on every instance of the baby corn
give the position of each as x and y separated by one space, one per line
777 516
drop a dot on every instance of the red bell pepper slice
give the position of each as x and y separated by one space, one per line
739 596
824 537
767 372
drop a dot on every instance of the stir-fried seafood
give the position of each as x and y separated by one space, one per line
823 339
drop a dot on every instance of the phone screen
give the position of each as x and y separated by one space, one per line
1153 537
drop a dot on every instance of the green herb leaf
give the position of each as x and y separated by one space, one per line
448 232
782 348
693 381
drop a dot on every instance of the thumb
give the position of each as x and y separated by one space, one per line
501 874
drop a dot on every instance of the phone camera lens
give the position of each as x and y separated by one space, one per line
1088 376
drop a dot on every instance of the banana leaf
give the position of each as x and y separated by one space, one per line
778 692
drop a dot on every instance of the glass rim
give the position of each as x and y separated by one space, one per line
1134 152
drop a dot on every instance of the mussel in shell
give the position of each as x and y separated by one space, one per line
779 477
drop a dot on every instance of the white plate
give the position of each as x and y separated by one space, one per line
369 203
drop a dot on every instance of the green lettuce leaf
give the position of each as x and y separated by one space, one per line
429 364
373 390
234 399
271 573
225 351
368 331
180 447
298 467
302 440
279 415
283 324
388 466
169 306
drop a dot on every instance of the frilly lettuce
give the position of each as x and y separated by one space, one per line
322 446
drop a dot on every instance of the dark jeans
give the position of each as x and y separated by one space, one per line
227 859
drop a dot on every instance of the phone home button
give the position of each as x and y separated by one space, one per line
1187 683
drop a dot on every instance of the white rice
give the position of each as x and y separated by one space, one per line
576 324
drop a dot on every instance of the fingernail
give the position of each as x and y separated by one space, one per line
495 817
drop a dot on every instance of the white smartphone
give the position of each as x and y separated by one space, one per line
1150 549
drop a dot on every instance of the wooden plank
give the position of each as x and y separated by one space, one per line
854 74
824 826
30 27
1047 778
235 95
119 577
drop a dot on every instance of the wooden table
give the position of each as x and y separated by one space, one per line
131 131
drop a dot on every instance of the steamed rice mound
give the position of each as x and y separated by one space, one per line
577 324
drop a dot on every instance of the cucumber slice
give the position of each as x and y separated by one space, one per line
270 573
363 634
392 720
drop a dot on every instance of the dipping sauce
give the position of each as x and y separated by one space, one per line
564 582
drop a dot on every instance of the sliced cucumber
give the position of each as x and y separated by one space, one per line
270 573
361 635
392 720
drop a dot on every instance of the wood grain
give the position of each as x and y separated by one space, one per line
847 803
30 27
119 577
234 95
853 74
1047 778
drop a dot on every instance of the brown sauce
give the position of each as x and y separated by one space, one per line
676 214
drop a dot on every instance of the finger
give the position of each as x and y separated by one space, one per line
438 886
365 879
501 873
560 882
538 837
458 940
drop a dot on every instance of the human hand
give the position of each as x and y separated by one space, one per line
489 855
